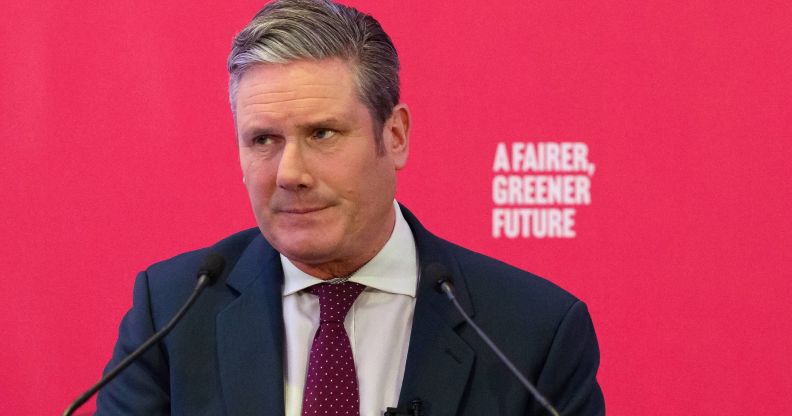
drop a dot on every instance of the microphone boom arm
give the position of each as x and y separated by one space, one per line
205 279
448 289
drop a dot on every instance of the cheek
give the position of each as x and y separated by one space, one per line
247 160
259 178
254 166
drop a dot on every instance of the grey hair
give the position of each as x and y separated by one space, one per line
291 30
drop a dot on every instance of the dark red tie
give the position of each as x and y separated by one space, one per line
331 386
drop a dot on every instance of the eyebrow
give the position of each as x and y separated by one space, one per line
256 130
330 122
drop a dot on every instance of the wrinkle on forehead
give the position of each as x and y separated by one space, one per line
281 92
320 106
267 87
247 105
338 77
310 97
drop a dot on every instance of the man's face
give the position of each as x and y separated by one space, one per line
321 194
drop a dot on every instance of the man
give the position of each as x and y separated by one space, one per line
314 90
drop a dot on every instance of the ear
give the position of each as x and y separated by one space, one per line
397 135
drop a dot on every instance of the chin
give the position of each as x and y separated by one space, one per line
305 249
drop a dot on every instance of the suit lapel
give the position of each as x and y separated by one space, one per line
439 362
250 334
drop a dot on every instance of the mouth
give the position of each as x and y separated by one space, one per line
301 210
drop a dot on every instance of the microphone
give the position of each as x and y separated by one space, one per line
414 409
210 269
445 285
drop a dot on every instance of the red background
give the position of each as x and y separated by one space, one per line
118 150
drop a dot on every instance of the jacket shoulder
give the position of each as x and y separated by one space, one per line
231 248
492 284
171 281
496 276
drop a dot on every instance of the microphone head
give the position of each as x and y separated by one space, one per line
440 274
212 267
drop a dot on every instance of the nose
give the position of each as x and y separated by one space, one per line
293 173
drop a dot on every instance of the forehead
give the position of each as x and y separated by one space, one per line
301 81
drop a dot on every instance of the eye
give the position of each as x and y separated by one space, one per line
263 139
322 134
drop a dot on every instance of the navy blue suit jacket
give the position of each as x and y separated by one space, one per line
226 356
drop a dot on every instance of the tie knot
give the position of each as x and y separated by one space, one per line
335 299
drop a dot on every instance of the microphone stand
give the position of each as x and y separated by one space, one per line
212 267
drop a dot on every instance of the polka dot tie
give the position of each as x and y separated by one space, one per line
331 386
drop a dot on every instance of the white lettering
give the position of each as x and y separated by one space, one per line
533 222
499 196
541 190
517 154
537 203
501 162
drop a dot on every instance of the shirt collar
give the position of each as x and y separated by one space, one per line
394 269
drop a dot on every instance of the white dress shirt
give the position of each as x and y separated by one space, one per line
378 324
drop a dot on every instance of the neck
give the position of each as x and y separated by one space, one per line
336 269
